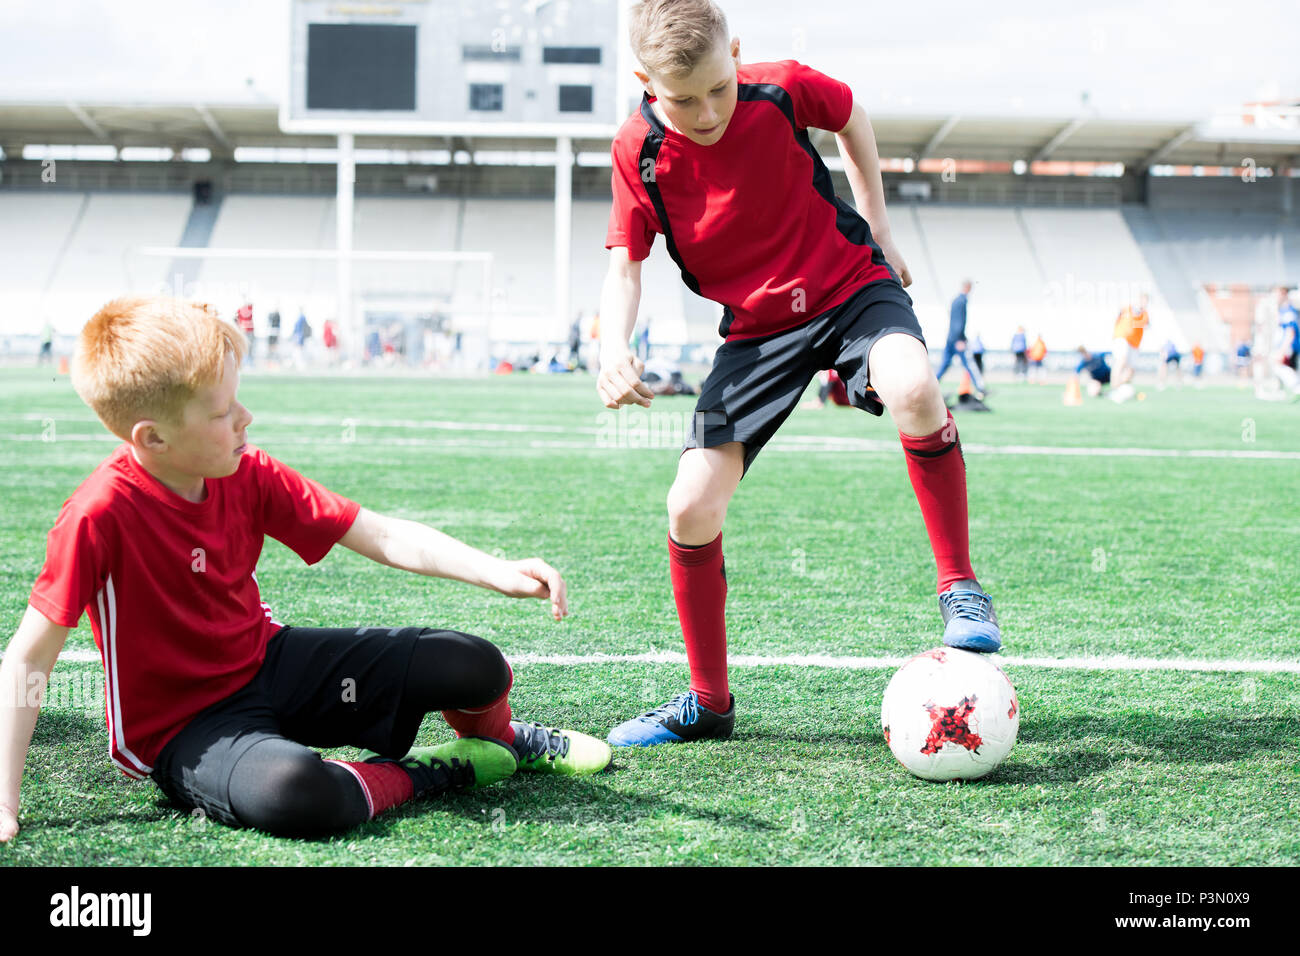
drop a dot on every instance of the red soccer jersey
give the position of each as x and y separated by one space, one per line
752 221
170 587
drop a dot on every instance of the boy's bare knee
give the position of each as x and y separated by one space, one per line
917 394
695 513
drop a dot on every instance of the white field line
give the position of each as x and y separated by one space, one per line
632 442
829 662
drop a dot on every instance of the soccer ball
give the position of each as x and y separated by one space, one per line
950 715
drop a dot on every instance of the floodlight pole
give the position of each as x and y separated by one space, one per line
563 230
346 178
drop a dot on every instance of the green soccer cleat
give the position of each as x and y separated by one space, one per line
551 750
466 763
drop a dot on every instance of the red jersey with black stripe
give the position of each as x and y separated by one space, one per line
752 221
170 588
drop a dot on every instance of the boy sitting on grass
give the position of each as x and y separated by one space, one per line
208 694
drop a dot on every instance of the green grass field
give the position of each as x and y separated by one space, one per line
1173 556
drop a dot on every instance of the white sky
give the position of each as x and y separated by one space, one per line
1140 57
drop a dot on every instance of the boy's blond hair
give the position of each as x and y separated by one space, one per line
145 356
671 37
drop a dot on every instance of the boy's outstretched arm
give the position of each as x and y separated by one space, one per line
620 382
24 675
415 547
862 165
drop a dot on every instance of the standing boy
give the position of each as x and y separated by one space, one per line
206 693
718 161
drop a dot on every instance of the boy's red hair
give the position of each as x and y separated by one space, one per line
144 357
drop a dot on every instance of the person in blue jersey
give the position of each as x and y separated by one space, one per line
1288 323
1020 348
1097 369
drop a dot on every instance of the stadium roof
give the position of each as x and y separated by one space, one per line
1136 142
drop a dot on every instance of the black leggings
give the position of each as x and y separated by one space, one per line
284 787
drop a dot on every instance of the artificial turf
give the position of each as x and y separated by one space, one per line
1087 555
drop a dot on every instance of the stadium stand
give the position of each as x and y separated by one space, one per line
271 222
1175 285
1092 269
414 224
35 229
92 259
1291 254
928 297
1225 246
989 245
1064 271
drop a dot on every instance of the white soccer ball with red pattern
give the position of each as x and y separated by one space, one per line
950 715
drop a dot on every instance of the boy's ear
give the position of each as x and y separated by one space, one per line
145 436
644 79
735 50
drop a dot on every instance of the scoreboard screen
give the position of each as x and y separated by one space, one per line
508 67
360 66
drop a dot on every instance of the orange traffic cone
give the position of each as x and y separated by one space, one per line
966 388
1073 394
63 365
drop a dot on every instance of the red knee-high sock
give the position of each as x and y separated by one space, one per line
490 721
938 472
700 588
385 785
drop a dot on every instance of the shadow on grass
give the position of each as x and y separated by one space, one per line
530 798
1087 745
574 801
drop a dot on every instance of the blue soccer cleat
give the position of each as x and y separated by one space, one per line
681 719
968 618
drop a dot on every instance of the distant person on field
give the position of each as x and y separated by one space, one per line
830 390
330 339
575 342
1020 348
273 333
641 341
301 335
1288 323
1170 356
1243 361
245 317
593 345
207 694
1037 352
1274 348
977 352
46 354
1096 368
1198 362
1130 325
955 347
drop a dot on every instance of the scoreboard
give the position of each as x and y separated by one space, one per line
458 67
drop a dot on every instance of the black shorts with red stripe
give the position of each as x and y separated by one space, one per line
756 383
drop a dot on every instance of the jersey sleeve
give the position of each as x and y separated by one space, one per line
301 514
819 101
75 568
632 219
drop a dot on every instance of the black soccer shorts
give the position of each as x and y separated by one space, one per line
756 383
320 687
